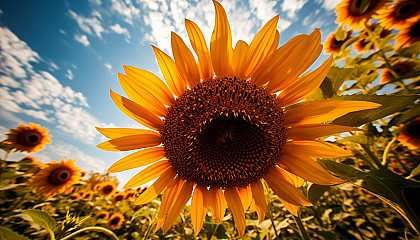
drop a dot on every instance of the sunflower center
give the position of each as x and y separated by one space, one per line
406 10
414 130
415 30
107 189
59 176
115 220
224 133
355 8
30 138
119 198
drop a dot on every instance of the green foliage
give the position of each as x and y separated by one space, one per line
8 234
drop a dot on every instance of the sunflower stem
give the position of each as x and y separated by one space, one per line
272 220
372 156
302 229
108 232
386 150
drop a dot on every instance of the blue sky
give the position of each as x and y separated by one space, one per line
58 59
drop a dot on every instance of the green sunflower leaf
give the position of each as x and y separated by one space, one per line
340 34
390 104
364 5
7 233
41 218
316 191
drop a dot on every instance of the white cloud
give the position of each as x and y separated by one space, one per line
126 9
120 30
108 66
82 39
291 7
38 93
89 25
329 5
69 74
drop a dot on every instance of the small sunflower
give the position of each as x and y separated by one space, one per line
409 35
115 220
332 45
410 135
28 138
350 12
399 14
102 214
28 159
361 45
118 196
97 186
107 188
55 177
83 174
227 130
130 194
400 68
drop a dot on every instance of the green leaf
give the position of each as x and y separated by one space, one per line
340 34
8 234
361 139
414 172
41 218
411 51
405 116
316 191
364 6
390 104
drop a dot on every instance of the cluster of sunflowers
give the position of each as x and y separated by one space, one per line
245 132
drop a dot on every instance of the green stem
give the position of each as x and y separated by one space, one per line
372 156
302 229
51 234
387 148
272 220
108 232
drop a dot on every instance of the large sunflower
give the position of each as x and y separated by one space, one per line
55 177
226 131
28 138
399 14
355 15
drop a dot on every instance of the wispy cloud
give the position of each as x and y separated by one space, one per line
82 39
120 30
292 7
90 25
329 5
69 74
126 9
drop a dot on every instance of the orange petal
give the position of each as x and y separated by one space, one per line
315 148
151 83
312 131
246 196
239 54
137 112
132 142
259 197
221 51
298 181
121 132
307 168
171 193
235 204
324 110
290 207
199 45
148 174
138 159
198 209
305 86
276 179
185 61
157 187
260 47
215 199
170 72
184 196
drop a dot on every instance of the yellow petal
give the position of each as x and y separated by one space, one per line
137 112
275 61
235 204
215 199
170 72
315 148
298 181
246 196
198 209
221 51
183 197
171 193
252 207
151 83
157 187
199 45
138 159
296 62
148 174
260 47
312 131
239 54
305 86
185 61
324 110
290 207
259 197
122 132
132 142
276 179
307 168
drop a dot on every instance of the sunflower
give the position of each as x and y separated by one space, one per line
400 68
28 159
350 12
226 131
55 177
83 174
410 135
107 188
115 220
118 196
130 194
28 138
362 44
333 45
398 15
102 214
409 35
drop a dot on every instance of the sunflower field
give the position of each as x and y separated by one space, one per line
244 143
